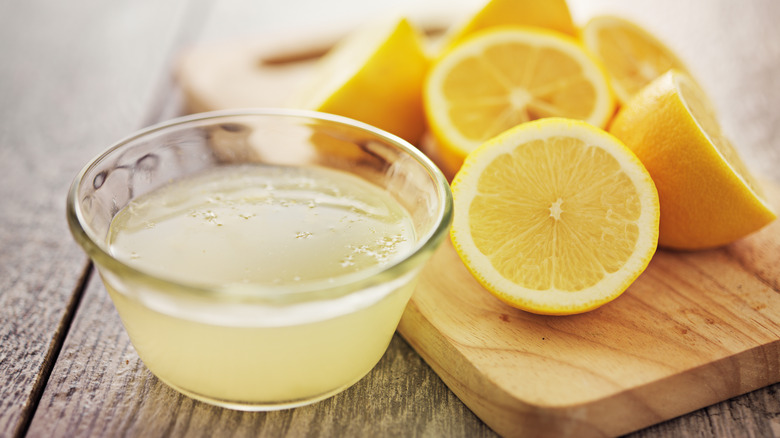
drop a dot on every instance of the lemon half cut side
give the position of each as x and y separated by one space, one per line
555 216
504 76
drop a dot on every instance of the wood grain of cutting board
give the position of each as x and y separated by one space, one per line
696 328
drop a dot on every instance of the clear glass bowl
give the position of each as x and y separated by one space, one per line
259 346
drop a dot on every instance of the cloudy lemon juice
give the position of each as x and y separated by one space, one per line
264 235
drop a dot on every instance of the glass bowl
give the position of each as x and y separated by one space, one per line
260 259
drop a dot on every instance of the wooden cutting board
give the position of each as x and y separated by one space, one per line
695 329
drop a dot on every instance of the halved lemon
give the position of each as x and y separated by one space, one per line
504 76
709 196
375 75
632 56
549 14
555 216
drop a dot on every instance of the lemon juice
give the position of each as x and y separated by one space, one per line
265 236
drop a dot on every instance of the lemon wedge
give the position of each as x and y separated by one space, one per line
708 195
375 75
549 14
632 56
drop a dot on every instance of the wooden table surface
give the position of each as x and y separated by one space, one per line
76 76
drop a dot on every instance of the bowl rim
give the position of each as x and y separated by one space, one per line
347 284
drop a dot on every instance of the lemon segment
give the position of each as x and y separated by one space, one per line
375 75
555 216
708 195
632 56
504 76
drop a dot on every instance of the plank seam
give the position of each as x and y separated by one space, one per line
55 347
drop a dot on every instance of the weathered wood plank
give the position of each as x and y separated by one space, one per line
756 414
74 76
